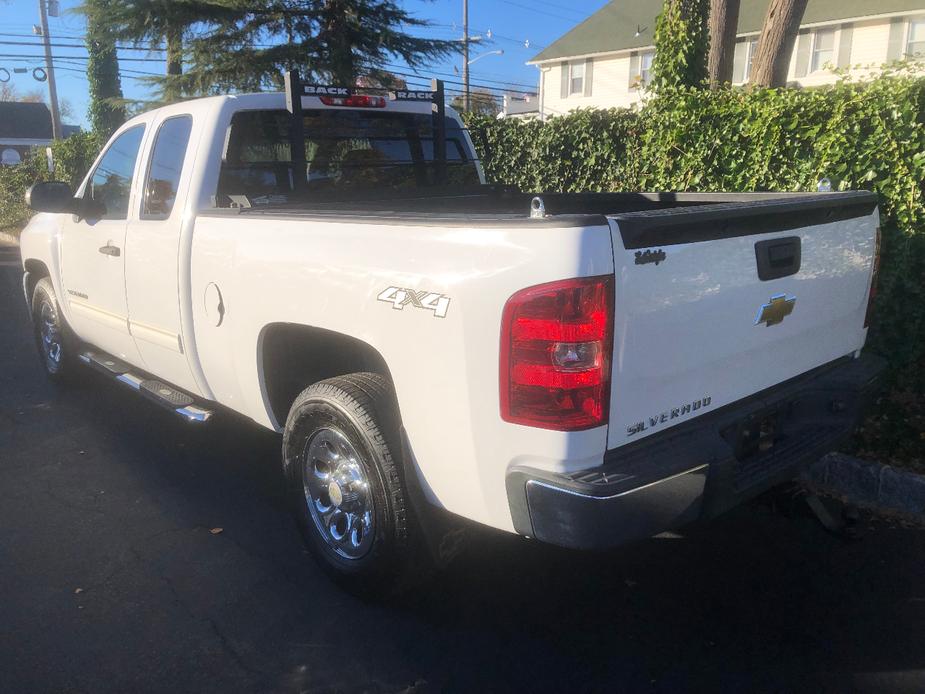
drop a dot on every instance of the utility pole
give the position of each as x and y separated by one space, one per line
466 55
50 71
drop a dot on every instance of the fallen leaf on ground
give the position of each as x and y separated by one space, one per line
78 591
216 531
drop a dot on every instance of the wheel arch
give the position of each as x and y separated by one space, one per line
34 271
293 356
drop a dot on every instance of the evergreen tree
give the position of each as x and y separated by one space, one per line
158 25
336 41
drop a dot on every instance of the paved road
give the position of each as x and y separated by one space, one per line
111 581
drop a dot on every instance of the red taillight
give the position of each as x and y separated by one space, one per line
873 281
556 341
355 100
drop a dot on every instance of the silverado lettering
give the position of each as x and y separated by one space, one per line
673 413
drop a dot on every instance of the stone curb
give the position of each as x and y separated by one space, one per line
8 239
869 485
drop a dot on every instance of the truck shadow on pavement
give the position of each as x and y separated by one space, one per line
139 552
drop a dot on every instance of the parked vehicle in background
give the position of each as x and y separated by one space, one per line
583 369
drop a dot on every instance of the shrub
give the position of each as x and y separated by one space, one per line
72 159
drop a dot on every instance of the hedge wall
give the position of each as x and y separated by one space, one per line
867 135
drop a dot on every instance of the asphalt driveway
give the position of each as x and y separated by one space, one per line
111 578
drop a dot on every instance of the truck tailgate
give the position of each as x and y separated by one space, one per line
718 302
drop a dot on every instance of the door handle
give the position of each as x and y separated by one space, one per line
111 250
778 257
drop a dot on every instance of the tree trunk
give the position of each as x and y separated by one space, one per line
174 38
775 45
338 36
724 20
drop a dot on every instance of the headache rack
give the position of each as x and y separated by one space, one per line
358 97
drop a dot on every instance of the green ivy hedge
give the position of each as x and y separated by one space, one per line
72 159
868 135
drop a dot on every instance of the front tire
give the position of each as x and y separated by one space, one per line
53 339
347 490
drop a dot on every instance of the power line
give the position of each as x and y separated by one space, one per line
537 11
128 74
485 83
421 78
56 44
558 6
79 57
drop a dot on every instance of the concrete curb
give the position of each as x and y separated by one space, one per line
869 485
8 239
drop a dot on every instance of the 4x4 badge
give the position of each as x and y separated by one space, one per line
774 312
431 301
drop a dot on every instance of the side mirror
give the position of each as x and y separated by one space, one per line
51 196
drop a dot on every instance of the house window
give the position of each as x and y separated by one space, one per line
823 49
576 78
915 44
645 67
742 60
752 47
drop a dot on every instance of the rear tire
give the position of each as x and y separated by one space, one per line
347 488
53 338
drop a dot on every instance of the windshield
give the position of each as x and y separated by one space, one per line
347 153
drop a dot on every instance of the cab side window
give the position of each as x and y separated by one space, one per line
111 183
166 165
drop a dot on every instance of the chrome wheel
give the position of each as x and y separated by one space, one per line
51 337
338 495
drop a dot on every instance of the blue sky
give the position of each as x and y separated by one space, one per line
512 22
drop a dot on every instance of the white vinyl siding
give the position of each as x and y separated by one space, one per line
605 86
868 45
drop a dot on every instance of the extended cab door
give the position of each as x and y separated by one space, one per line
93 259
152 251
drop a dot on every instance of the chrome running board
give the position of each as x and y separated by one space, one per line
152 389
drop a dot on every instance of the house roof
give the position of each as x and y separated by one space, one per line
26 120
613 27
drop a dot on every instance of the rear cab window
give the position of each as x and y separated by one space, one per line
165 166
348 153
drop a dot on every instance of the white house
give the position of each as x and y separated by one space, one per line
606 60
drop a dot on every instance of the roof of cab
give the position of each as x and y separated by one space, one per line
269 100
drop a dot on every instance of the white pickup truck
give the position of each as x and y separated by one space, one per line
583 369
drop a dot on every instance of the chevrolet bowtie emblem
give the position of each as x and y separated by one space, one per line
778 308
